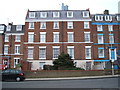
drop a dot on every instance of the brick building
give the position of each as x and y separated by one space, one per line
13 44
106 37
92 40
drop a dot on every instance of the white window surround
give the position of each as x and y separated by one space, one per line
30 47
31 14
8 28
98 18
56 25
31 25
56 51
99 28
86 25
16 61
6 49
17 49
69 14
29 53
100 39
101 53
42 25
70 37
85 14
43 14
30 32
6 38
88 54
56 14
87 37
69 25
17 38
70 48
56 37
108 18
110 28
111 38
30 37
19 28
56 46
42 55
42 37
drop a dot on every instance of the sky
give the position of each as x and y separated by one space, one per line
15 10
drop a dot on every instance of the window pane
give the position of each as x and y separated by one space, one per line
55 52
42 53
30 53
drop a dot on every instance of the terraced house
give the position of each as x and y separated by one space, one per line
92 40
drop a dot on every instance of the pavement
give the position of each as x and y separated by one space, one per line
70 78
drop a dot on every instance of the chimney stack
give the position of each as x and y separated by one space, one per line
106 12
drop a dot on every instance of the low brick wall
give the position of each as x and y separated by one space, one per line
66 73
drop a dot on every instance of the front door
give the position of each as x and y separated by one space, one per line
112 54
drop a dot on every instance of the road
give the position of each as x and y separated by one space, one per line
79 83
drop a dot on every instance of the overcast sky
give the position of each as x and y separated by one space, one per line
15 10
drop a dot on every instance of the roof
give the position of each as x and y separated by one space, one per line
13 29
77 14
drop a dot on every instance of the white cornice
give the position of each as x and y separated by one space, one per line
52 20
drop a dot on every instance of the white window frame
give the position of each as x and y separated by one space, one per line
111 38
98 18
31 25
55 55
86 25
102 39
68 14
8 28
70 25
41 25
31 14
29 38
17 38
56 37
19 28
87 37
110 28
6 46
32 49
108 18
43 14
56 14
6 38
101 55
44 54
70 37
42 37
16 61
17 49
71 53
54 25
89 52
99 27
85 14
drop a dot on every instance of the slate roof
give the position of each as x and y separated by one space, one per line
13 29
77 14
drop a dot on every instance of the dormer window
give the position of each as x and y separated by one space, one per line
69 14
31 14
56 14
98 18
85 14
18 27
108 18
1 27
8 28
43 14
118 18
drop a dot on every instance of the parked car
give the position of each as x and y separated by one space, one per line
13 74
